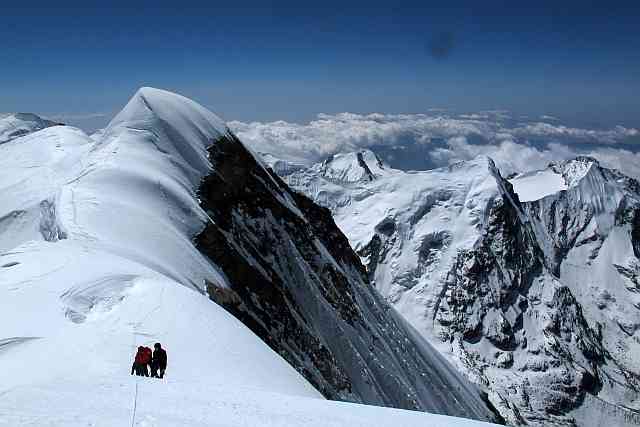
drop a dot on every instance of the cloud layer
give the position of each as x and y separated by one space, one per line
433 140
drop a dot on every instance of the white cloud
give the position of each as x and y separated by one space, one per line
509 156
625 161
546 130
465 137
512 157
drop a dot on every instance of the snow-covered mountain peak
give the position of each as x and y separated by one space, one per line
559 176
98 258
358 166
168 127
481 161
480 167
157 108
178 111
574 170
536 296
98 245
14 125
582 179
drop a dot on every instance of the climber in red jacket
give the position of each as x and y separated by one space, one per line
148 356
142 359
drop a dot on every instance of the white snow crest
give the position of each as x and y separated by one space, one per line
107 264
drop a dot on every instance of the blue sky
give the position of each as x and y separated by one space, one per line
577 60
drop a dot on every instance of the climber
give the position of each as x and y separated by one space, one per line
142 359
148 354
159 361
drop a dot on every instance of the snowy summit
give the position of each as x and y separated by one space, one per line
97 257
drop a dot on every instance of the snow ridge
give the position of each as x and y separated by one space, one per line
96 258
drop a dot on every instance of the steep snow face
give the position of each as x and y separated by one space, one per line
96 258
490 280
19 124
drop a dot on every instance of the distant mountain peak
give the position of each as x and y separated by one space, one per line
356 166
574 170
15 125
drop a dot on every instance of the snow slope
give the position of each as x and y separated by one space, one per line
96 258
63 373
20 124
535 300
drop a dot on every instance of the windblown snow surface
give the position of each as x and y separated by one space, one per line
96 258
530 287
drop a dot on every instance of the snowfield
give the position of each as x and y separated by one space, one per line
96 258
538 184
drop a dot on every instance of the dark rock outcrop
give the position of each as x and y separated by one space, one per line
295 281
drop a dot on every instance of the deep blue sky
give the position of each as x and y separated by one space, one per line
578 60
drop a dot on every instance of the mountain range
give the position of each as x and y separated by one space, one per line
458 295
527 283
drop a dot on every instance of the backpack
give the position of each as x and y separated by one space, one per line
141 357
146 352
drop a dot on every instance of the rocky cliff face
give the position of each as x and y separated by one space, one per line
536 300
588 235
296 283
521 329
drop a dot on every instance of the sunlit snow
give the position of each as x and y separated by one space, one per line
96 258
536 185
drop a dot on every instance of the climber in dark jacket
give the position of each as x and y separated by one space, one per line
142 359
159 361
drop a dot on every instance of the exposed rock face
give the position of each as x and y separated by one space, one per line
500 292
296 283
635 233
536 300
